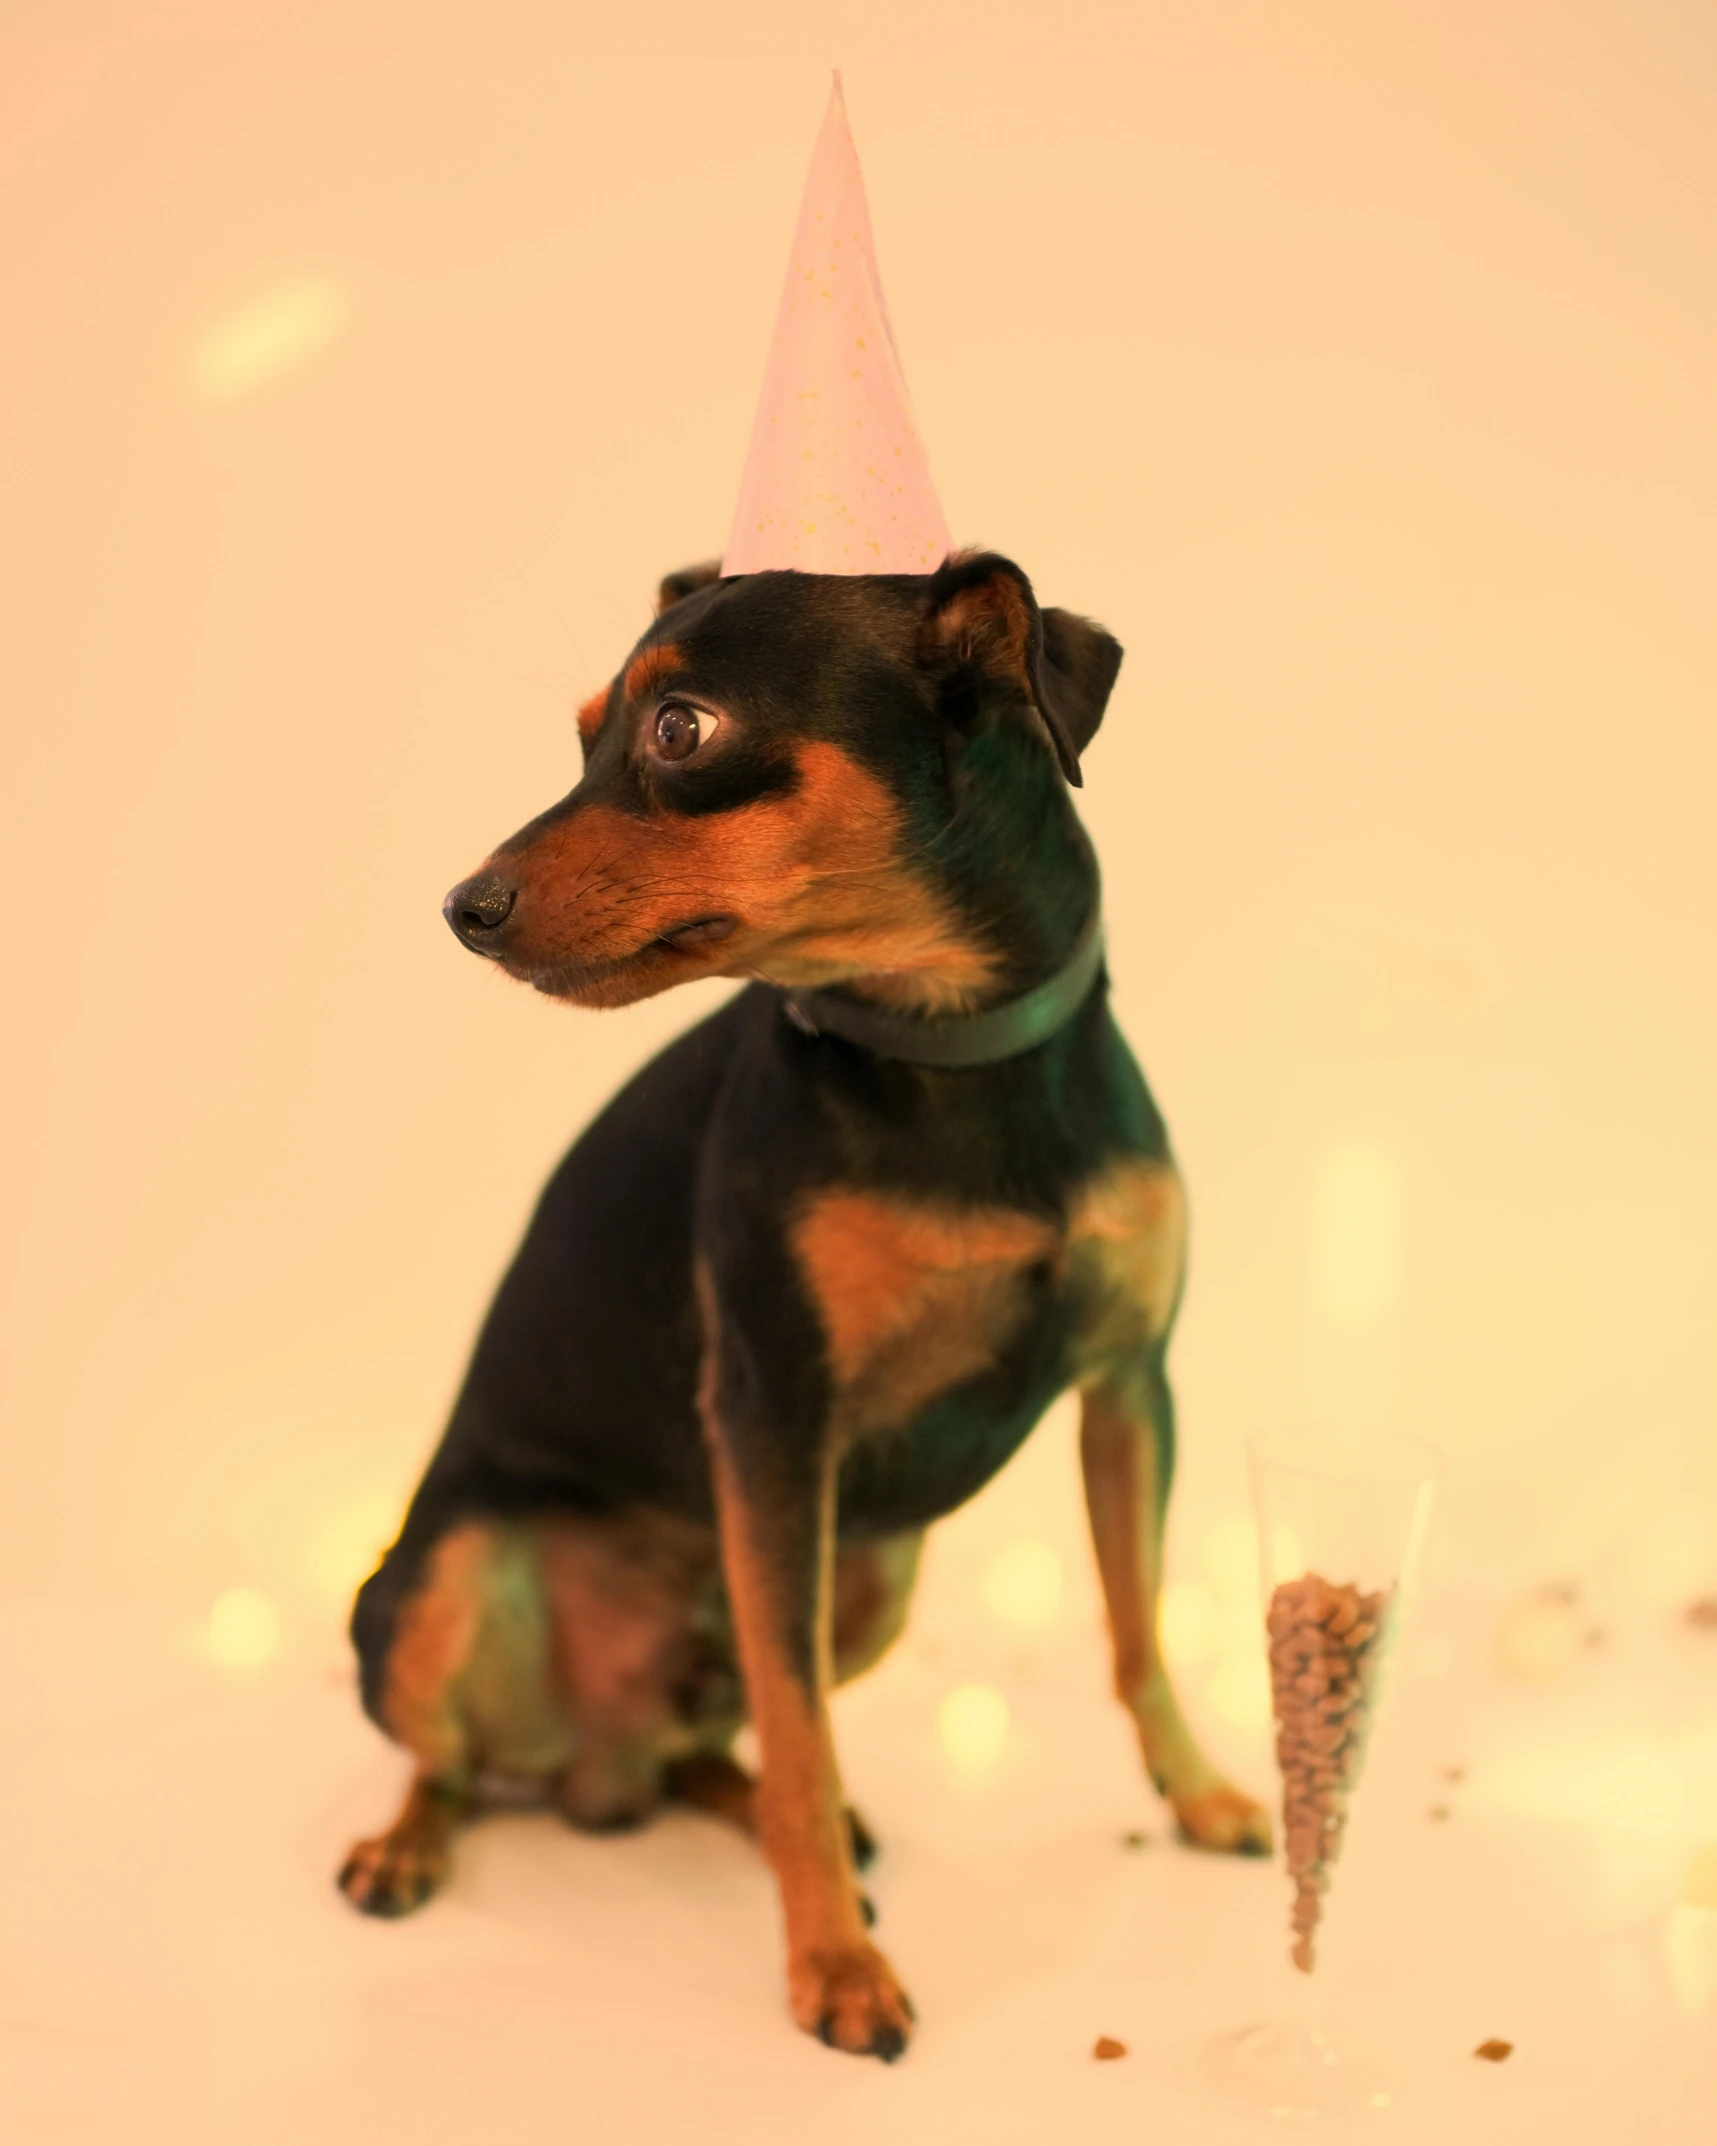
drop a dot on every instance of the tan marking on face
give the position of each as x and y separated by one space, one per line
650 667
590 716
1128 1244
913 1299
815 878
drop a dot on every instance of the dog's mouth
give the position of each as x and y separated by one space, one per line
681 948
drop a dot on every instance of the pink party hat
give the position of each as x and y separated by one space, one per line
837 481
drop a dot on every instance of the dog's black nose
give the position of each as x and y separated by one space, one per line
477 909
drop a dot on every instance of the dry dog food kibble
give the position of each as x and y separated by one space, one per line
1324 1643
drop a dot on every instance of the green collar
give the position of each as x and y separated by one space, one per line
958 1040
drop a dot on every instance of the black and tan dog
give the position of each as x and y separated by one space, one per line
811 1278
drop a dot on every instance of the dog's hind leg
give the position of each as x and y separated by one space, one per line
1127 1450
462 1641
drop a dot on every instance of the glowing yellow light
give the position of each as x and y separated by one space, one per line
1634 1787
1690 1950
1239 1691
243 1629
973 1722
1187 1622
1022 1584
1699 1887
1231 1556
268 337
1358 1227
347 1542
1641 1788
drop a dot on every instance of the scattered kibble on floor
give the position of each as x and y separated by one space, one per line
1454 1773
1438 1812
1108 2048
1702 1615
1494 2051
1135 1840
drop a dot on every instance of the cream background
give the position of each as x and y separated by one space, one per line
1355 368
1353 364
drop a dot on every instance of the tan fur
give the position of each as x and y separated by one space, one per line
1129 1236
437 1631
650 669
592 715
393 1872
837 1980
916 1298
815 877
988 624
1123 1472
913 1298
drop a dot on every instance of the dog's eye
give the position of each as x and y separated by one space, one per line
681 729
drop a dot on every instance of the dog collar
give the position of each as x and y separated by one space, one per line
957 1040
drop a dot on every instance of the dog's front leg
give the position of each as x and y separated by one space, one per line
1126 1446
775 1503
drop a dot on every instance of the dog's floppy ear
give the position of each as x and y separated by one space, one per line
1079 666
982 627
686 582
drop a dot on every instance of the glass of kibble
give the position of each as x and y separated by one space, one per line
1341 1522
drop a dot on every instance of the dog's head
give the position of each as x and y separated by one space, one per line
811 778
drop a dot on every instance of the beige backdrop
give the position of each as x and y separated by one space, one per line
364 365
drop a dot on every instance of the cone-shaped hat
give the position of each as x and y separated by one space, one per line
836 481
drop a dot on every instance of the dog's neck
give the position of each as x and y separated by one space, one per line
1021 876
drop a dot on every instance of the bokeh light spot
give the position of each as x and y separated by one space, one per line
1699 1887
1231 1556
347 1542
243 1629
1187 1620
973 1724
1690 1952
1239 1691
1022 1585
1358 1233
268 337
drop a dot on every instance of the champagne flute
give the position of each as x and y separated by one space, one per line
1341 1522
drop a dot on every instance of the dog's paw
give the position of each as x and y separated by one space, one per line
1221 1819
851 1999
393 1873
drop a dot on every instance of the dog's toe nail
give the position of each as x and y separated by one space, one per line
863 1841
826 2031
889 2044
867 1908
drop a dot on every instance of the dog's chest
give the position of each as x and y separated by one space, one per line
917 1298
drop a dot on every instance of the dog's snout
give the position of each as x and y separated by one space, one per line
477 908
